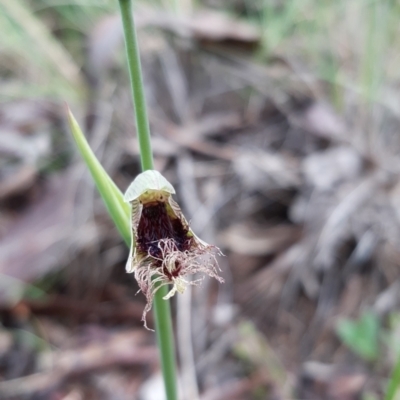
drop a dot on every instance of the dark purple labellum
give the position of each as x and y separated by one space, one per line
155 224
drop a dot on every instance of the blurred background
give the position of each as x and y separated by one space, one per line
278 123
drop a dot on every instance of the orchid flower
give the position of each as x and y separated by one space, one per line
164 249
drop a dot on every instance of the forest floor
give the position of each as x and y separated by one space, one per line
293 175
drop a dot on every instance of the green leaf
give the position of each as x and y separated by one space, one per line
111 195
361 336
394 383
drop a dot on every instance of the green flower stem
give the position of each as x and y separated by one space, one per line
135 74
165 341
162 309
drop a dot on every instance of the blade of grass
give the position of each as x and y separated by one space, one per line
394 382
162 308
111 195
41 40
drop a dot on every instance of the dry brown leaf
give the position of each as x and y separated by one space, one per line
17 183
123 348
39 239
206 25
217 26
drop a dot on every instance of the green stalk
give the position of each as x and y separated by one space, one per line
135 74
162 309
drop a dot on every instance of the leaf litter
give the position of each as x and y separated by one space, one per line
265 168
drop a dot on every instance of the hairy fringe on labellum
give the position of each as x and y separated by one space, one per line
164 248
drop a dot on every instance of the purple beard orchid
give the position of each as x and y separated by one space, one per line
164 249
